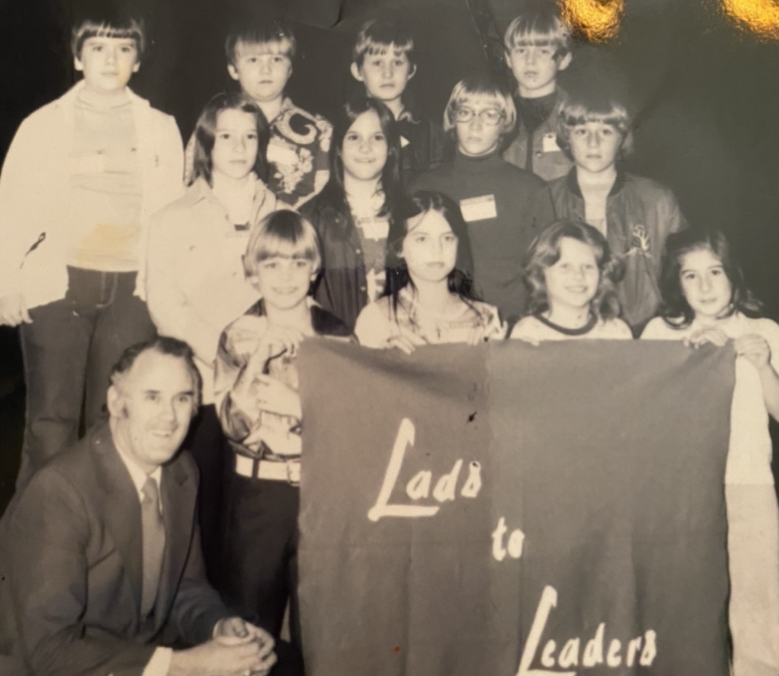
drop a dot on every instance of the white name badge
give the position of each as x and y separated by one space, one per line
550 143
374 228
278 153
479 208
404 142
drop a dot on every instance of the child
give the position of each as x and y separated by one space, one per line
80 181
570 278
383 60
428 297
353 213
259 58
503 205
635 214
538 47
256 395
195 281
705 300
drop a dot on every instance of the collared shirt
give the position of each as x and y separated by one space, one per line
159 664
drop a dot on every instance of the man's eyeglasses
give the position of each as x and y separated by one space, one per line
489 116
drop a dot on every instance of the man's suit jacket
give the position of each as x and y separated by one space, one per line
71 563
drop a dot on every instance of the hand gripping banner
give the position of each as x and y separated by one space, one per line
510 510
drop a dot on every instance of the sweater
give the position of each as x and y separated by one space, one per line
505 208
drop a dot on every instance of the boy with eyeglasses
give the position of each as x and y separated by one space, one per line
504 206
538 47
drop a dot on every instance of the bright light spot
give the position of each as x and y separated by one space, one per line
597 20
759 16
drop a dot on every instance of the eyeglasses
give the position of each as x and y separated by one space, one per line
489 116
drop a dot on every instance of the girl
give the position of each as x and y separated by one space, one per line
635 214
428 297
195 282
354 212
705 300
503 205
570 278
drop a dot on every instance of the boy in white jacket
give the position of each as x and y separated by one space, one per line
82 177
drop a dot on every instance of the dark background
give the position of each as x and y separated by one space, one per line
704 91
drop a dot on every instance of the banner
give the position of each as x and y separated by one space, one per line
514 510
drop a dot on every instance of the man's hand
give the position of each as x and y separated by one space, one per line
235 631
218 658
13 310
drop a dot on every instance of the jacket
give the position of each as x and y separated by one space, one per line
35 193
640 214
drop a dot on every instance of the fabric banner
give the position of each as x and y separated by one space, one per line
514 510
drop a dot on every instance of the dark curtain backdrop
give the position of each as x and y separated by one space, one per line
705 95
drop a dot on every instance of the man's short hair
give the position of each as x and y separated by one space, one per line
377 35
539 24
479 85
109 24
278 234
261 33
162 345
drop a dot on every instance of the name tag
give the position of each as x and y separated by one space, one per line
278 153
404 142
479 208
374 228
550 143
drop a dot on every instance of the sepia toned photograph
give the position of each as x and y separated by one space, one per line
389 338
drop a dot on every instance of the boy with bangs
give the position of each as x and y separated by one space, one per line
505 207
256 383
80 182
383 60
634 213
259 58
538 46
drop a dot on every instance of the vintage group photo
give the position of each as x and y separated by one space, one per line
389 338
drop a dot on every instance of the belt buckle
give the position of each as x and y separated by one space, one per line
293 472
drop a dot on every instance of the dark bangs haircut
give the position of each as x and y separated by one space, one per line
334 193
545 252
109 21
675 310
460 279
378 34
205 133
263 32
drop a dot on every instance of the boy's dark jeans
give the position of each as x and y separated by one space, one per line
69 350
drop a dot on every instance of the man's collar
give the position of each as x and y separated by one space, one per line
137 475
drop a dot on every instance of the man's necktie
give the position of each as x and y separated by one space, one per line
153 544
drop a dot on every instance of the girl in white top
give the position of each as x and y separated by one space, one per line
705 300
427 297
195 282
570 276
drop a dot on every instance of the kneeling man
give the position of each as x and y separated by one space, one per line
100 556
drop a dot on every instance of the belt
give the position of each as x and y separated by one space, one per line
267 469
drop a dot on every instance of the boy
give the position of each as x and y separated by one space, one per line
260 59
256 398
538 47
80 181
634 213
505 207
383 60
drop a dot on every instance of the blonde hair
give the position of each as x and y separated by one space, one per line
594 108
276 234
540 26
479 86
